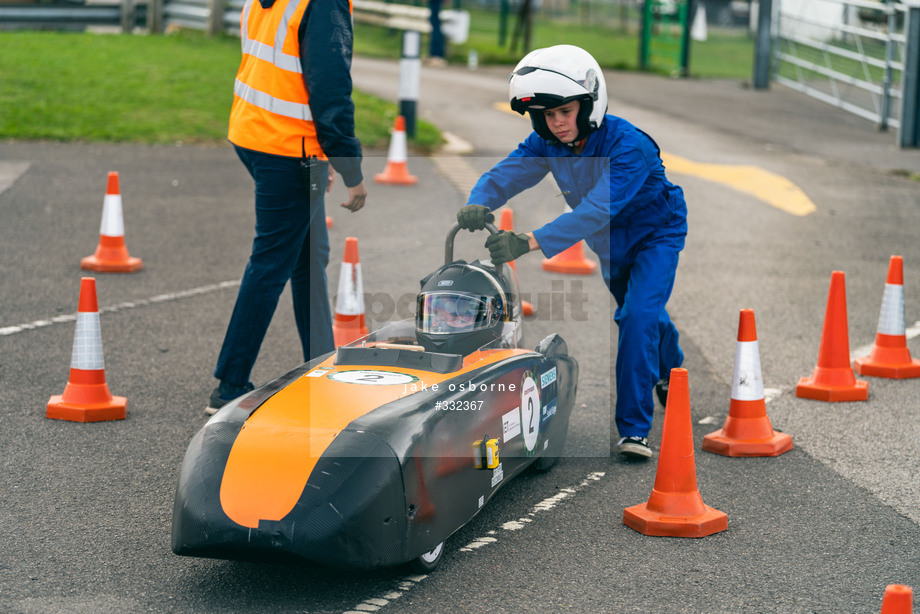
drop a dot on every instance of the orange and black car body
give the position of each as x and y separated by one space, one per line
372 455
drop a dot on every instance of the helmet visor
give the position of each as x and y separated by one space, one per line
538 102
444 312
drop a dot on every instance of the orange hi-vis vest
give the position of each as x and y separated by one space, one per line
271 111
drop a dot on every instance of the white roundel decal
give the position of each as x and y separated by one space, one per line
372 378
530 412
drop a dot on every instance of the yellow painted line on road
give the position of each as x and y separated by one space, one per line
773 189
506 107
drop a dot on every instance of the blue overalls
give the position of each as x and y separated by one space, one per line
635 220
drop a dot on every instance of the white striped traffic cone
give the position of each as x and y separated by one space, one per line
86 397
111 254
889 356
747 430
348 321
397 169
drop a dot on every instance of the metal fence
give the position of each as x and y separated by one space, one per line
211 16
847 53
125 15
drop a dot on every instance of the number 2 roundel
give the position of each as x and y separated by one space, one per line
372 378
530 411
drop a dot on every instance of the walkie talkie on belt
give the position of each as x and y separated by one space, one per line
311 169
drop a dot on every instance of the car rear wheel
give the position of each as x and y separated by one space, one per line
551 455
428 561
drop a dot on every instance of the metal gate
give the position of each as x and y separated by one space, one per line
848 53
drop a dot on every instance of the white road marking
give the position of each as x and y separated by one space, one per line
10 172
406 584
160 298
865 350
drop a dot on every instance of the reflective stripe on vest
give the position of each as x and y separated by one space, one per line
273 54
271 111
271 104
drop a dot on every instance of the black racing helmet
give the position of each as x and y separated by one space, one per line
461 307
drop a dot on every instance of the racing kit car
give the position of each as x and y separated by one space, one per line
374 454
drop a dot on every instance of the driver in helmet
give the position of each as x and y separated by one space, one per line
453 313
619 201
461 307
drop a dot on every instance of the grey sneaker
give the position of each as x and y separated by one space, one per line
223 394
635 447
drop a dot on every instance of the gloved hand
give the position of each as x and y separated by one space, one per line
507 246
474 217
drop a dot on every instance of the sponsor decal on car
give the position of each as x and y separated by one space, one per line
549 411
511 424
548 378
498 474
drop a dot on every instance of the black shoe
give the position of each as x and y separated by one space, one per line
225 393
635 447
661 389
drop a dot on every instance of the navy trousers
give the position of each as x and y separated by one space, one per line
291 243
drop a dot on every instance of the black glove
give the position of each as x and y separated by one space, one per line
507 246
474 217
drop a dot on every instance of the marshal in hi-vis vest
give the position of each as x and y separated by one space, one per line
271 111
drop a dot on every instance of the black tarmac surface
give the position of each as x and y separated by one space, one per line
85 509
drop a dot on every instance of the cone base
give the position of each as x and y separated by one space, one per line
92 263
717 443
865 366
569 267
58 409
395 176
641 519
807 388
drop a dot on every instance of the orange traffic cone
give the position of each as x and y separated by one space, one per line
572 261
889 356
329 221
833 378
397 169
507 223
111 253
86 396
348 321
898 599
675 507
747 430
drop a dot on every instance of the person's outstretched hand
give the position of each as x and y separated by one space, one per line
474 217
507 246
356 197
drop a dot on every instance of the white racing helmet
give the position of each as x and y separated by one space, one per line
553 76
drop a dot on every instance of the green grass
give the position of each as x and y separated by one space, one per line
726 53
178 88
148 89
